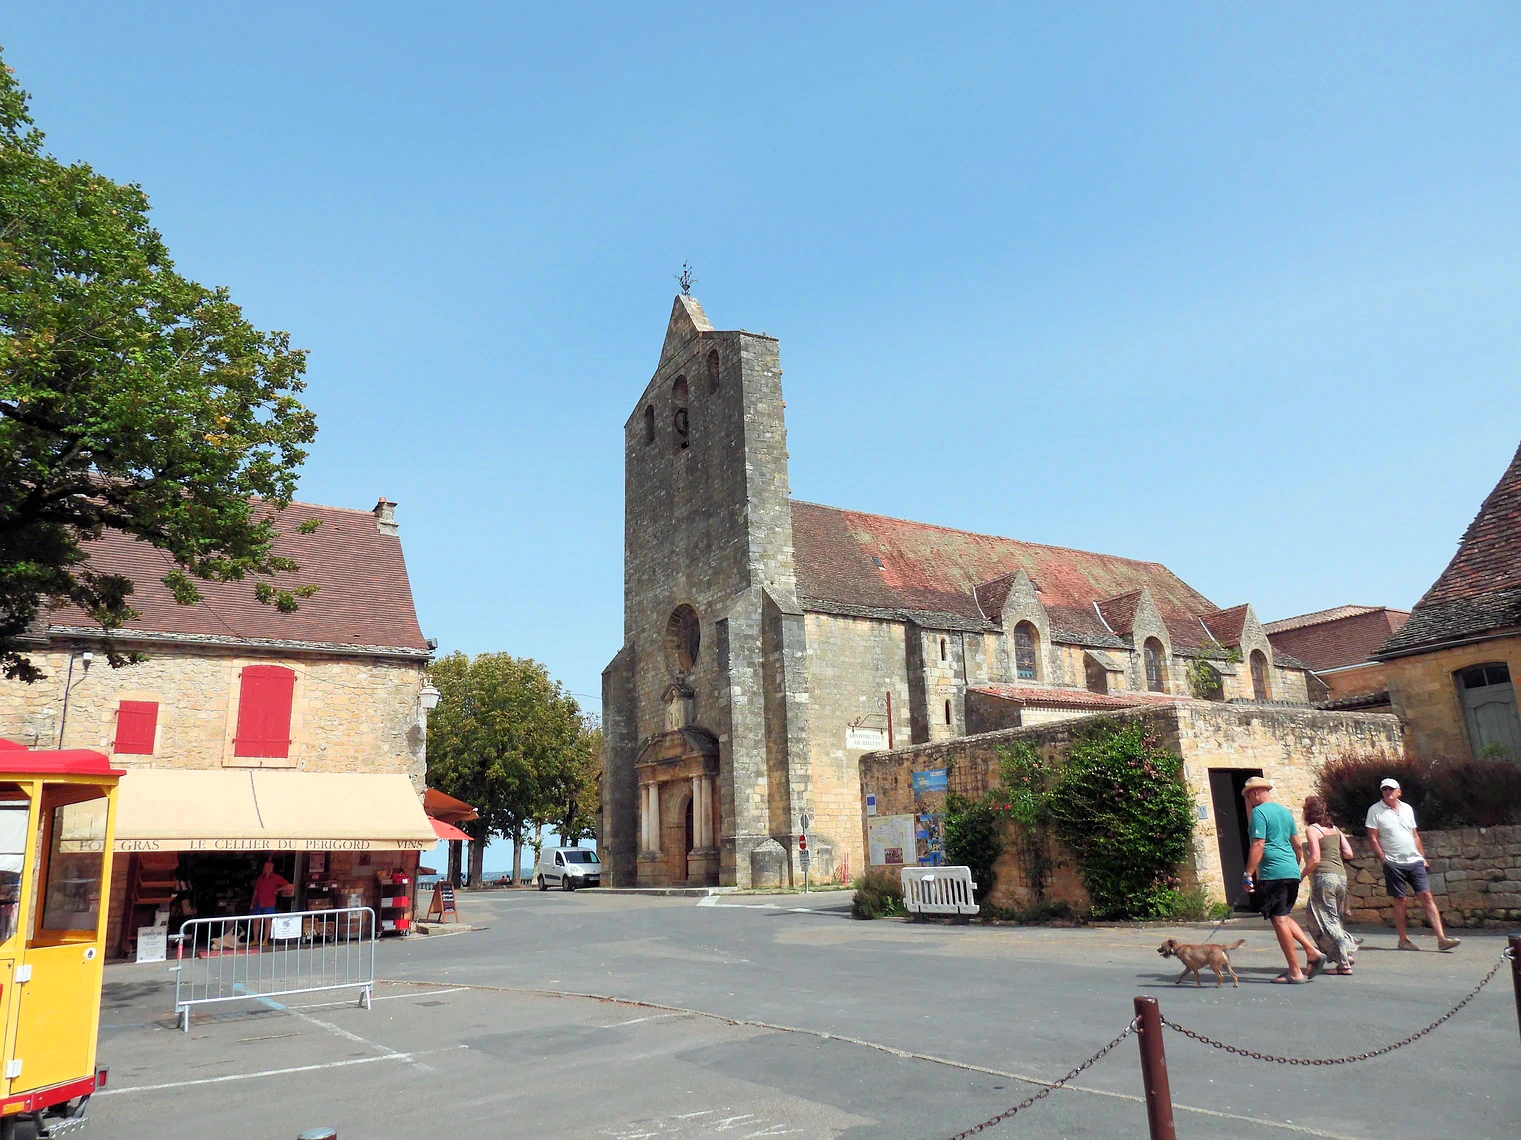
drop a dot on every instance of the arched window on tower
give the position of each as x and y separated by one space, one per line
942 649
1156 665
649 423
679 420
1260 688
947 712
713 371
1026 655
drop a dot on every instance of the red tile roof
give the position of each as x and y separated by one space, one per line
1119 611
1332 643
1480 591
1225 626
1284 624
1072 698
363 598
852 562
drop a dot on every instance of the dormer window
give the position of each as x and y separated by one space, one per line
1025 657
1156 669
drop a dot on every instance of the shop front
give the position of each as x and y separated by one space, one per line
194 844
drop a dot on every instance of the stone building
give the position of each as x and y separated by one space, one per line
1452 669
1338 646
770 643
230 685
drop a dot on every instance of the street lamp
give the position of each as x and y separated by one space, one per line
428 698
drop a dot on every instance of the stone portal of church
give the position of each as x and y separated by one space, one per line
678 771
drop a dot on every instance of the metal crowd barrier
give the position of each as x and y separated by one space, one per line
938 890
250 956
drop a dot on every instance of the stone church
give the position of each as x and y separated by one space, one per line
770 643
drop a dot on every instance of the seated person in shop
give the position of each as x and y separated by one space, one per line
268 887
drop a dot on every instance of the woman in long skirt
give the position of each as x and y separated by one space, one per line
1327 873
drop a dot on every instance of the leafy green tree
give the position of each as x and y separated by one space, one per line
575 792
500 738
131 399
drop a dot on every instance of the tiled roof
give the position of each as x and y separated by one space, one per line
1073 698
1335 613
363 598
1480 591
1225 626
1332 643
1119 611
1355 702
852 562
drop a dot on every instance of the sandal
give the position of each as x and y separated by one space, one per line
1284 980
1316 966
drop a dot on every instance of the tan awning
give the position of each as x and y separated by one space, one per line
227 810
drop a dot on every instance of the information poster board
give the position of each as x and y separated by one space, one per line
890 839
152 944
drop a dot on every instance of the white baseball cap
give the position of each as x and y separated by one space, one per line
1389 783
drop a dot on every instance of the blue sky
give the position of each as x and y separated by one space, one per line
1234 290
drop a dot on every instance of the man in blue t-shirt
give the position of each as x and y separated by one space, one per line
1272 874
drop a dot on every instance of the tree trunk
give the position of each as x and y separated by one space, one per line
517 852
477 860
456 858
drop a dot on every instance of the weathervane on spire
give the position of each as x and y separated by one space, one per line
685 279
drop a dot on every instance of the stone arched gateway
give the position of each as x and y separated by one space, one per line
678 806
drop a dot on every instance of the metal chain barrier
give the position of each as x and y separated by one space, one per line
1050 1088
1416 1036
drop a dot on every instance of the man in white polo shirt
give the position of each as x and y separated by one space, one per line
1391 830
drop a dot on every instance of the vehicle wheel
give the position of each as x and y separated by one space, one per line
543 886
567 883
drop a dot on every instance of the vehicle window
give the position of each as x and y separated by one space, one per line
558 861
582 856
13 823
76 852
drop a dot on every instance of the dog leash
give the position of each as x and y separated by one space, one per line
1240 899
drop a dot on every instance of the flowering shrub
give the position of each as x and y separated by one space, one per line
1119 805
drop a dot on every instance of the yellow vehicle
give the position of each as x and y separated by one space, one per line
57 815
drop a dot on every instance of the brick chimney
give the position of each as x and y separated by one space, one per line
385 516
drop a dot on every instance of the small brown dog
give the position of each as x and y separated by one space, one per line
1196 955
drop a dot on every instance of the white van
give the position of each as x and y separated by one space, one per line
570 867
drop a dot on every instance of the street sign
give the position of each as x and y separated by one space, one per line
802 842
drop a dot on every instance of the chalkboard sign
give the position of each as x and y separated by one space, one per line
443 902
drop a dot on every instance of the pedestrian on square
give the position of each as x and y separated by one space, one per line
267 889
1392 831
1326 872
1273 873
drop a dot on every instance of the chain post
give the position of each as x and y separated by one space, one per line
1515 972
1154 1069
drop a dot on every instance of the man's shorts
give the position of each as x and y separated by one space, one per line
1397 876
264 910
1276 897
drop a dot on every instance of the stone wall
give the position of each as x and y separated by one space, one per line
348 714
1424 693
1475 879
1286 744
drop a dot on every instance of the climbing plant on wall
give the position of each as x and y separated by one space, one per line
1119 805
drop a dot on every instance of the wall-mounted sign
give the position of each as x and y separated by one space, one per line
933 780
867 739
871 804
890 839
254 843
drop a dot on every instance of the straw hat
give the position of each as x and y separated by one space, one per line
1254 783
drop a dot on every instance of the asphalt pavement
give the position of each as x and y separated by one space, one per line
782 1016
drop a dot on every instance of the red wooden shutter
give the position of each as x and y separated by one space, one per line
135 725
264 711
